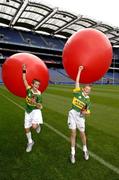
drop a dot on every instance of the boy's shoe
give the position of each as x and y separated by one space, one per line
29 146
38 129
86 155
72 159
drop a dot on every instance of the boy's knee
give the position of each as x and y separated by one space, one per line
82 133
34 126
73 133
27 130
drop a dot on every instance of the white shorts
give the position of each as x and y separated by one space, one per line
34 117
76 121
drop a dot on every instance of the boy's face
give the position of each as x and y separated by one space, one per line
35 85
87 90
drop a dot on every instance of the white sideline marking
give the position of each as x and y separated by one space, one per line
100 160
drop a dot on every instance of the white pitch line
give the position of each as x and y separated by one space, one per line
97 158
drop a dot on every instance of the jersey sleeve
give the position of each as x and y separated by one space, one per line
88 106
76 90
28 88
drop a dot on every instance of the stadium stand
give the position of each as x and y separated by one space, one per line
1 81
58 76
10 35
33 39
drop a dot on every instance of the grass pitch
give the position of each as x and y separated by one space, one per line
49 159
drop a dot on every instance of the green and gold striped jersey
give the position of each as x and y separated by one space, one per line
80 101
31 95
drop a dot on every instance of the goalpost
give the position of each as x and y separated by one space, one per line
115 75
111 77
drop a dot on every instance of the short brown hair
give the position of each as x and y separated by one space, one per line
34 80
89 85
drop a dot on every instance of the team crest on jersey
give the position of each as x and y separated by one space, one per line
29 94
79 97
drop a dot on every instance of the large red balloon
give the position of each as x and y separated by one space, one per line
91 49
12 73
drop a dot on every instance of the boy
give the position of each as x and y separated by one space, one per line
76 117
33 115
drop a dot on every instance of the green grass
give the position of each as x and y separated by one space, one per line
49 159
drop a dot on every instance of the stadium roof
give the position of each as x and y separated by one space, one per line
38 17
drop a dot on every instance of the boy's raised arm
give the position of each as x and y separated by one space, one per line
77 84
24 75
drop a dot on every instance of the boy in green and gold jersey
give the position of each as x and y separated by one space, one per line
76 117
33 114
